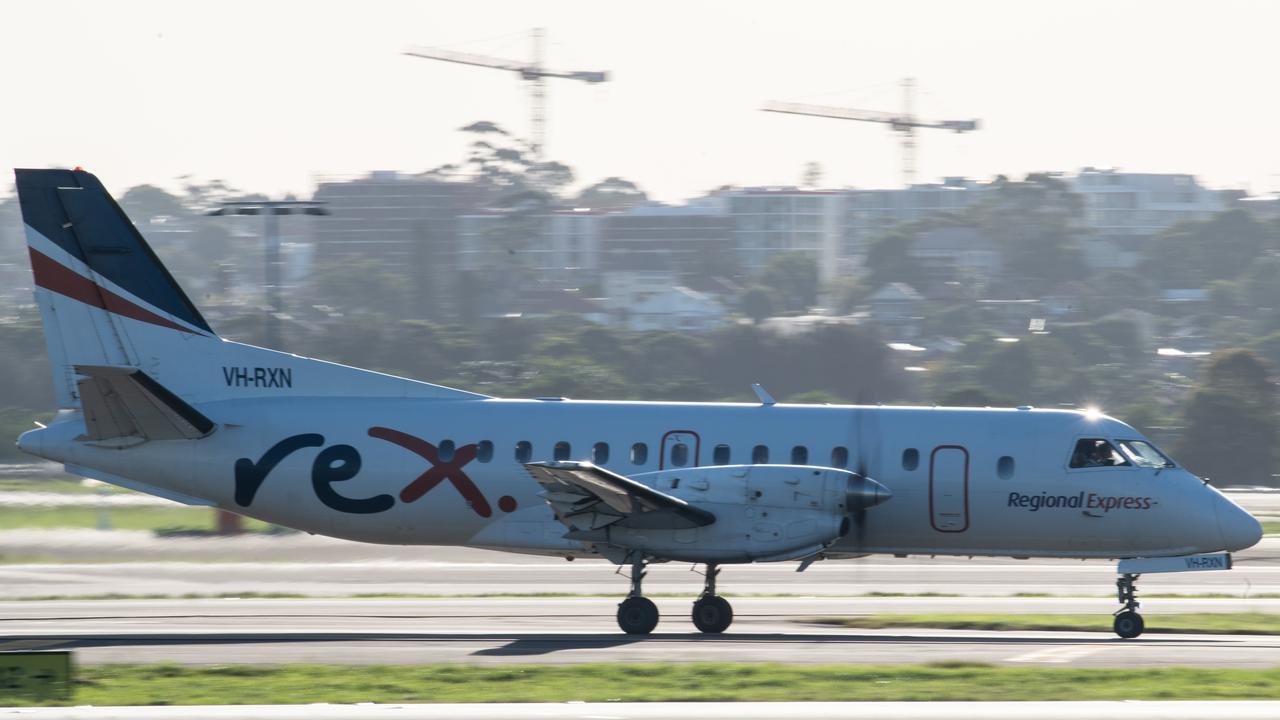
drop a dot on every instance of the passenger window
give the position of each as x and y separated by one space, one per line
1095 452
799 455
484 451
679 455
446 449
760 455
910 459
561 451
1004 467
600 453
840 457
721 455
639 454
524 451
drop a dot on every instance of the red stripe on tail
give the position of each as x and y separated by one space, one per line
56 277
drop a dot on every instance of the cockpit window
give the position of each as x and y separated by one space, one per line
1096 452
1144 454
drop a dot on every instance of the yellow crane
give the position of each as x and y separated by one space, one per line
904 123
533 72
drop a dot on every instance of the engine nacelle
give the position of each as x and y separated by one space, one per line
763 513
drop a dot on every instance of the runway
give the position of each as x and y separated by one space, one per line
582 630
462 571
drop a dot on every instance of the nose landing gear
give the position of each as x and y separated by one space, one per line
1128 623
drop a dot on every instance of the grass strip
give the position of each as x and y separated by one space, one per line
1195 623
651 682
168 519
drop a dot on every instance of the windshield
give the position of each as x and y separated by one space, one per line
1144 454
1096 452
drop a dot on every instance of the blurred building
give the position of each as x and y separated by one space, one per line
1123 205
560 245
870 213
689 240
768 221
405 223
655 300
957 254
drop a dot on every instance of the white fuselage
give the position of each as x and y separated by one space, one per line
964 481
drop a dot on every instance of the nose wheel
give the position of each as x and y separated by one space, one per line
711 613
1128 623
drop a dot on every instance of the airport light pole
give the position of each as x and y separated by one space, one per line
271 210
228 523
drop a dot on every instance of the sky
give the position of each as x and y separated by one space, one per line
270 96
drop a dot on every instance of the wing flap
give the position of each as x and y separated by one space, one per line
587 497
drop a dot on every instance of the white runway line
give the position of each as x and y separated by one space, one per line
1069 653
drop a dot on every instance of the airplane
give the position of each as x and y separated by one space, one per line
152 399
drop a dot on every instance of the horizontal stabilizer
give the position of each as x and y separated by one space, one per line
125 403
586 497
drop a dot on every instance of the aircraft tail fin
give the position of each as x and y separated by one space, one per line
92 269
107 301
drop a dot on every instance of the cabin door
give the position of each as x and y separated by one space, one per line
949 488
680 448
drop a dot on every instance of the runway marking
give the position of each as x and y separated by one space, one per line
1066 654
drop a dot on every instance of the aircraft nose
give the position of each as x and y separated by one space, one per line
1239 529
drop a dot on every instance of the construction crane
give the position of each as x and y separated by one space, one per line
532 72
904 123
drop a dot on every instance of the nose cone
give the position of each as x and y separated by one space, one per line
1239 529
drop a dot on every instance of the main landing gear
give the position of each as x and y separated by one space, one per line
637 615
1128 623
712 613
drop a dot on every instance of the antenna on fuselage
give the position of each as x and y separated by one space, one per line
765 397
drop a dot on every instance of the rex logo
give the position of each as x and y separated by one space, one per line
338 463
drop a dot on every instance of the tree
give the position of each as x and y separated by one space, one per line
757 303
975 397
1262 283
1035 224
793 278
1192 254
1009 371
889 260
812 176
1231 422
612 193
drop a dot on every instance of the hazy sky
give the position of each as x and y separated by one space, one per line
268 95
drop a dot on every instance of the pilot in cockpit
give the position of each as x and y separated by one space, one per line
1092 452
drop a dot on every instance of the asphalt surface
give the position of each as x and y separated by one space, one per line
319 568
1249 710
583 630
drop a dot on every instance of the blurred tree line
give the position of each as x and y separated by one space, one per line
1219 415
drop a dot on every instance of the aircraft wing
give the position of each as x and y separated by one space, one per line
586 497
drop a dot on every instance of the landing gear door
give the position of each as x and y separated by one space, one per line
949 488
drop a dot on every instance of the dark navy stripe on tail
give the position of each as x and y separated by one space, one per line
73 210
